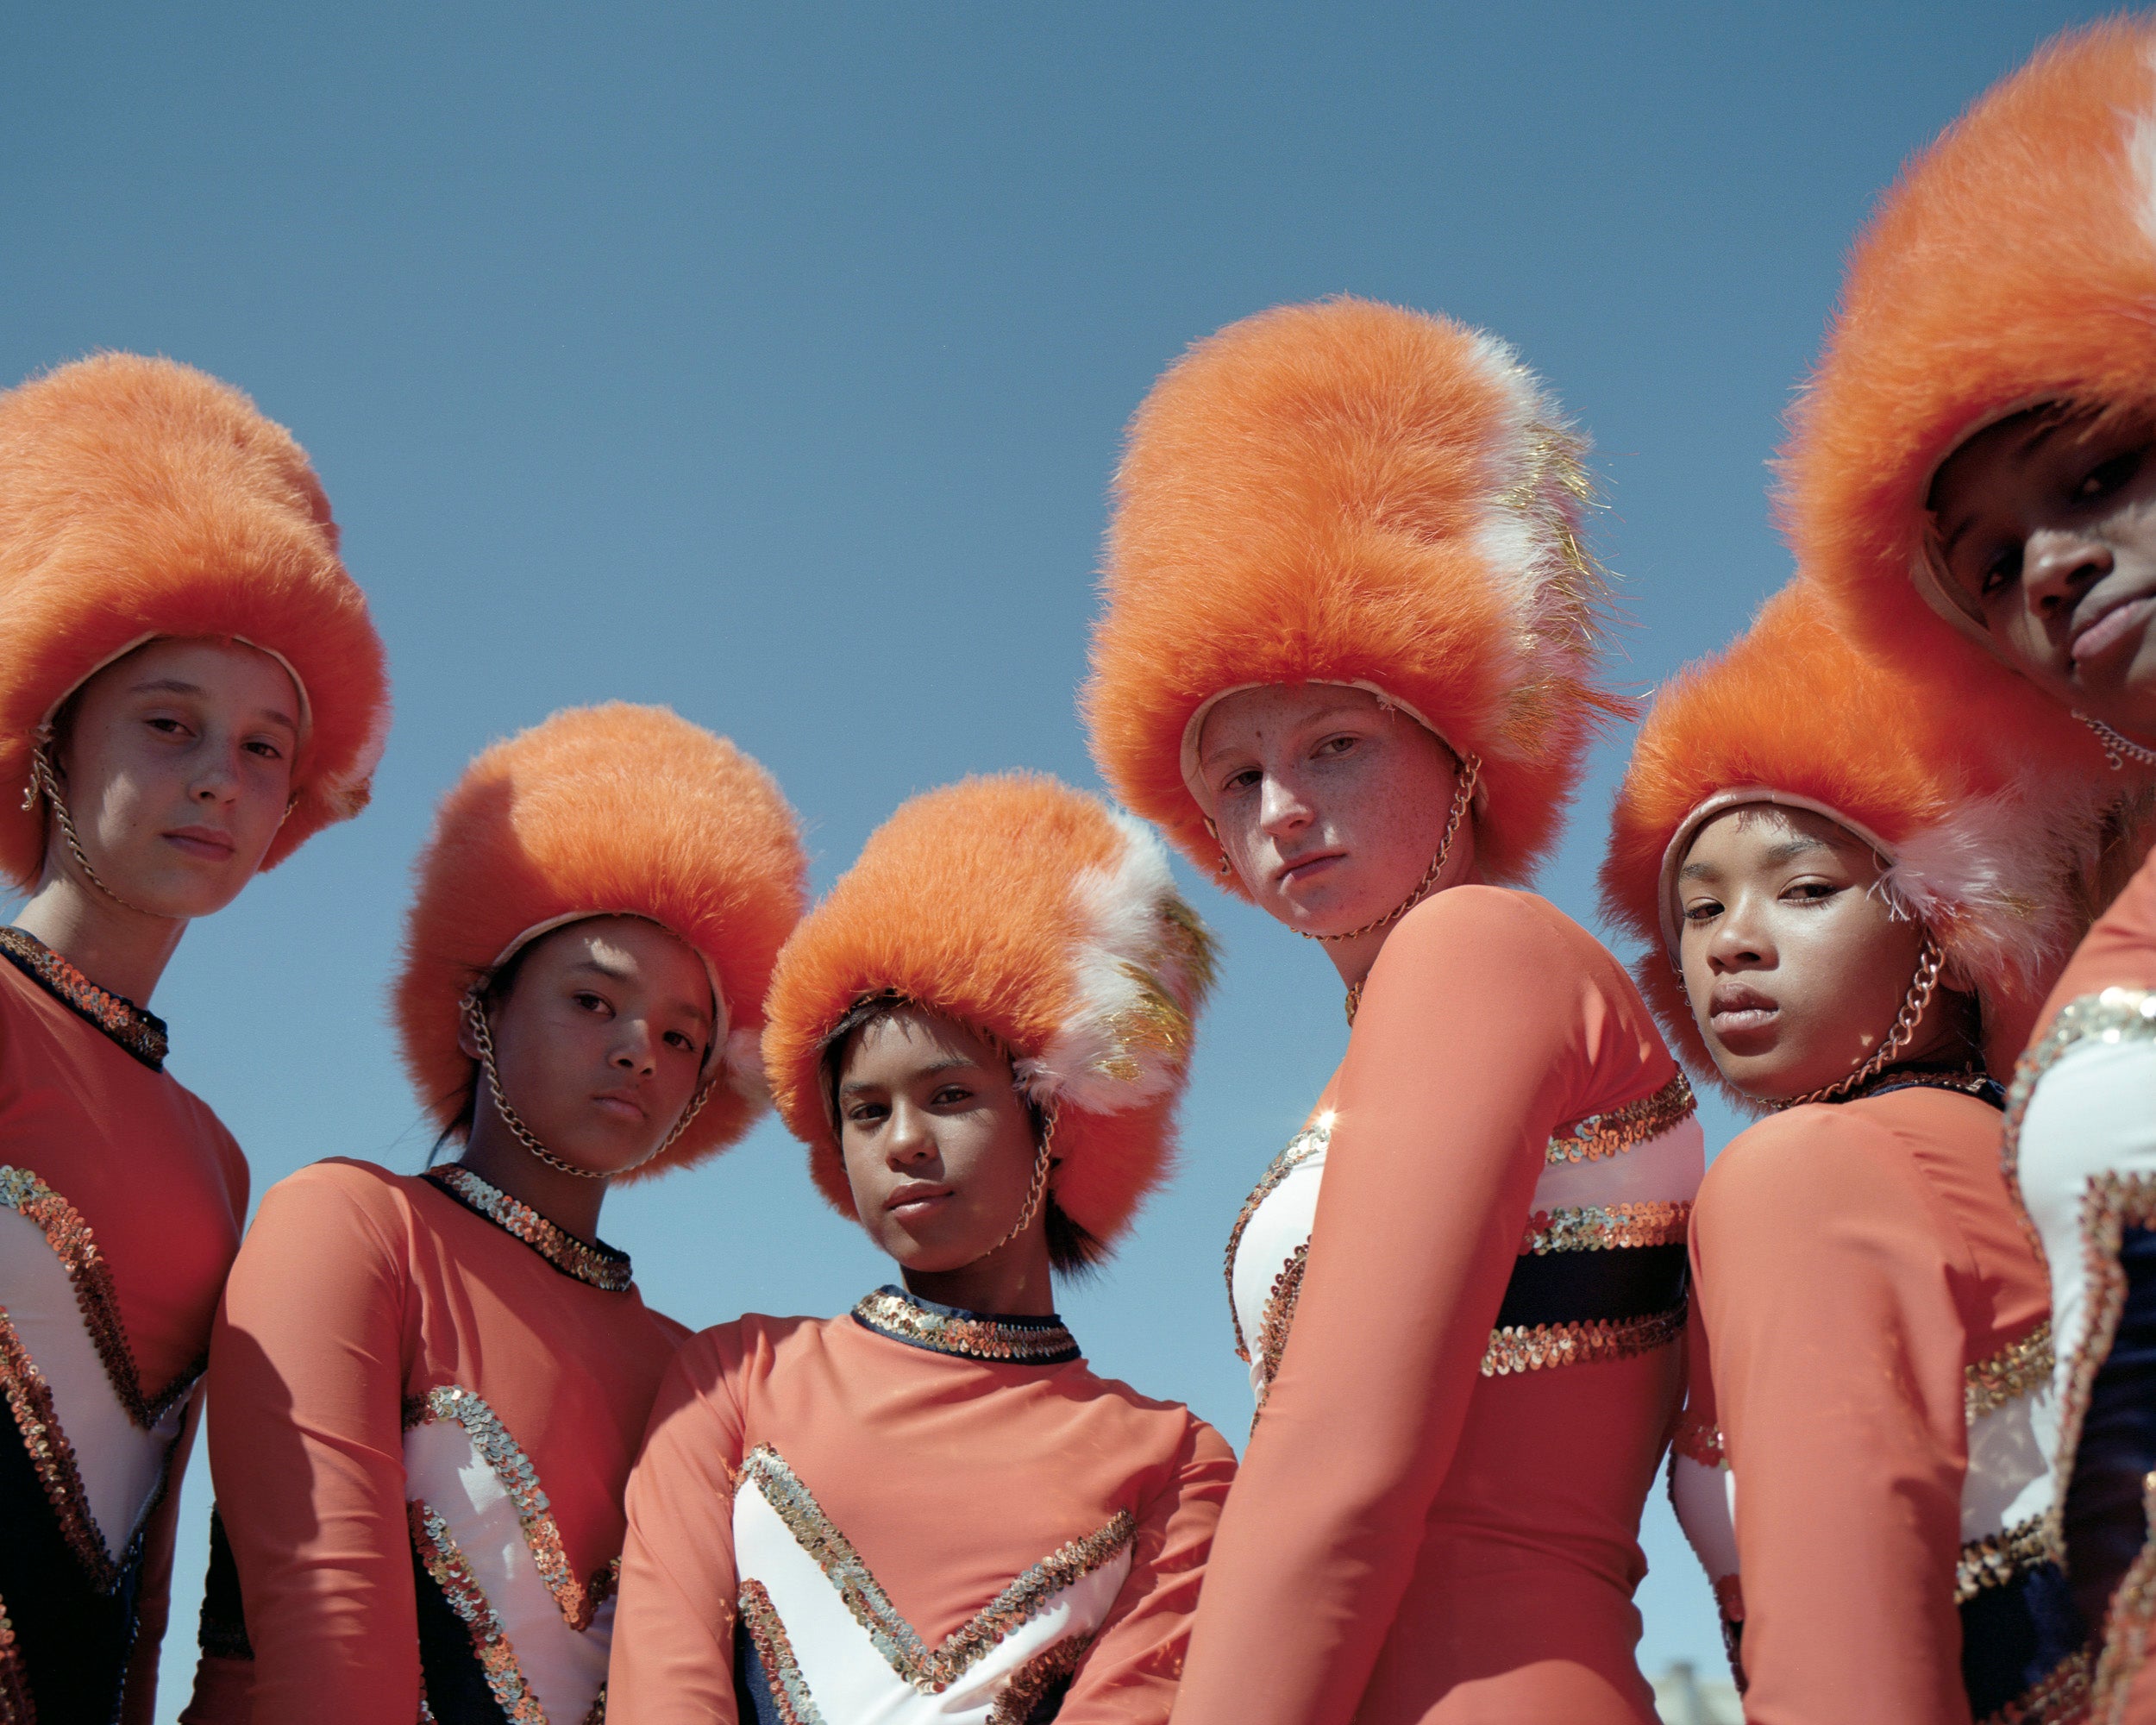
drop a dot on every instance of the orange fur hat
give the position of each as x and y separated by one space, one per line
1039 916
2013 265
141 498
1350 493
606 811
1793 714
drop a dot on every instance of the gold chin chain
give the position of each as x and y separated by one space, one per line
2118 748
1929 962
1035 1195
1462 796
45 782
475 1016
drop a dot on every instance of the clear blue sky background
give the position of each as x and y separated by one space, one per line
771 363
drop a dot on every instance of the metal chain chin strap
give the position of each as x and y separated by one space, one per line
45 782
2118 749
1929 962
1463 798
475 1016
1036 1195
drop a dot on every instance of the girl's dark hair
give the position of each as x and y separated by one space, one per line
1071 1249
494 987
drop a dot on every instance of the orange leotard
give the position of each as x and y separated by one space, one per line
1438 1515
424 1402
123 1196
909 1514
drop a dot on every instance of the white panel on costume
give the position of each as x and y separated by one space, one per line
2010 1453
563 1666
1277 1229
120 1463
1704 1499
1665 1169
849 1681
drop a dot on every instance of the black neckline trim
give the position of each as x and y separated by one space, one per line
136 1029
995 1337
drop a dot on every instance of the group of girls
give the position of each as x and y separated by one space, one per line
1347 663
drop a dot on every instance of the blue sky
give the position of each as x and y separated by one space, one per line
771 364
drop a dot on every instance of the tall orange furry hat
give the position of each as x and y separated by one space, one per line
141 498
1038 915
606 811
1348 492
1793 714
2013 266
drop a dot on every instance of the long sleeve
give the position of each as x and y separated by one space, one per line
672 1654
1837 1372
1131 1674
1466 1049
306 1450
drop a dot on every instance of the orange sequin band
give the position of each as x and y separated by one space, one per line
1542 1348
1300 1148
928 1670
579 1602
2127 1624
1618 1130
1279 1317
1000 1341
783 1682
2009 1374
15 1682
1599 1227
1699 1440
2061 1698
2110 1204
1030 1684
1998 1559
452 1574
600 1265
140 1033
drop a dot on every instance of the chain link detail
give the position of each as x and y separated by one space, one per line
1463 797
1036 1195
2118 749
1929 962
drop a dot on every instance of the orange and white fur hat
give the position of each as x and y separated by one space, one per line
1350 493
2012 265
141 498
1034 914
1793 714
606 811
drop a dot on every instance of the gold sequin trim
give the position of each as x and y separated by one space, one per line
600 1265
2112 1016
136 1029
2126 1623
452 1574
579 1600
2009 1374
1031 1681
1279 1317
1699 1440
1002 1341
1620 1129
787 1688
1541 1347
1997 1558
2111 1204
15 1682
930 1670
1300 1148
2059 1698
1605 1227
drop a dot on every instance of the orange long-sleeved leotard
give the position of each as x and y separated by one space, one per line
122 1198
1479 1243
424 1402
1874 1320
909 1514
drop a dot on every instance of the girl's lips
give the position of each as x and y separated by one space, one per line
2117 625
1740 1019
1296 873
200 841
910 1201
622 1107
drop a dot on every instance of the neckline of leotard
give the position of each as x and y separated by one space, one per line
136 1029
1964 1080
590 1261
998 1338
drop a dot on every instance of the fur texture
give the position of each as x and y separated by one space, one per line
1793 707
2014 263
605 809
1039 915
141 498
1351 493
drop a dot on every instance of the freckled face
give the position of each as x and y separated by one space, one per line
1329 805
1794 967
2048 525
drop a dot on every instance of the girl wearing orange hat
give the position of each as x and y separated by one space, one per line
1347 663
1842 892
929 1509
189 688
427 1390
1971 478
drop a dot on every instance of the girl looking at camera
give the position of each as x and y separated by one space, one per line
931 1508
1347 662
1842 894
190 689
1973 479
427 1390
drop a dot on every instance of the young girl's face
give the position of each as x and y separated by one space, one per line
600 1040
2048 526
939 1146
176 766
1328 805
1794 967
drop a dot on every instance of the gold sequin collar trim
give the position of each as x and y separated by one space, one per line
929 1670
1541 1347
1300 1148
2009 1374
136 1029
1606 1228
920 1323
598 1263
1618 1130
